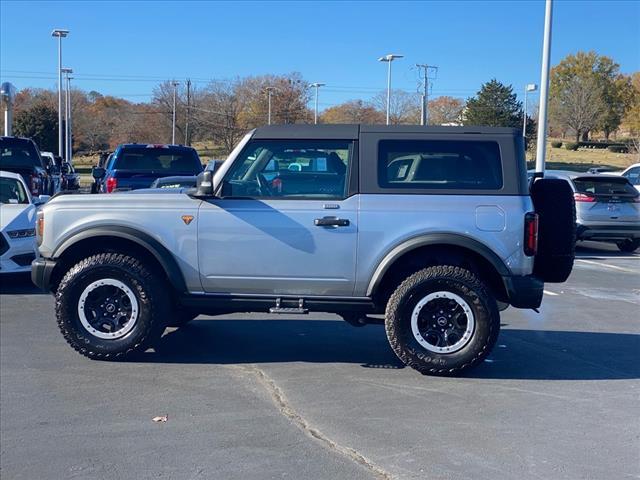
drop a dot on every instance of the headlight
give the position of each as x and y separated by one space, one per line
27 232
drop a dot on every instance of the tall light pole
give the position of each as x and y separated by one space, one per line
544 91
8 94
317 86
173 121
60 33
389 58
269 91
67 116
530 87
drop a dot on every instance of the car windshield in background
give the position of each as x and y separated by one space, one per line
605 186
18 153
161 160
12 191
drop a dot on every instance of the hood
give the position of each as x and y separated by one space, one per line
17 217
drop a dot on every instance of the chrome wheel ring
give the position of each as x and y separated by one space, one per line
108 309
442 322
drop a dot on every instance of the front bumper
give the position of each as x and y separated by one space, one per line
607 232
524 291
16 254
41 270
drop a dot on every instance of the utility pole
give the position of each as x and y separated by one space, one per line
67 116
315 112
60 33
424 117
544 92
173 122
269 91
186 125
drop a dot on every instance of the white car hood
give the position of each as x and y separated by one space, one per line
17 217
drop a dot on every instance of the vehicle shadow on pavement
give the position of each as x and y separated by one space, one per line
518 355
274 340
18 284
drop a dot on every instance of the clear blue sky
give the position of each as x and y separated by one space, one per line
125 48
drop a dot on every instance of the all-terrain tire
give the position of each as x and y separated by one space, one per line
629 246
148 290
461 283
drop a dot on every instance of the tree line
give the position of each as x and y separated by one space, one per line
588 96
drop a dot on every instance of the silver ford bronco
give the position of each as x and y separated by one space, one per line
437 228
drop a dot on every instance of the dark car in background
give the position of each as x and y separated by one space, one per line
134 166
21 155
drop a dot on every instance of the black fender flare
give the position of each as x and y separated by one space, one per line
443 239
164 257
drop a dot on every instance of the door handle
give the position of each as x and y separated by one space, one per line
331 222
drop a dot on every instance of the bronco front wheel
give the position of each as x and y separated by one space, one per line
442 321
110 306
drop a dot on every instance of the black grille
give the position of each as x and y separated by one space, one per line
24 260
4 245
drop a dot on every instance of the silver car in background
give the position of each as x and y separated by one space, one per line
607 208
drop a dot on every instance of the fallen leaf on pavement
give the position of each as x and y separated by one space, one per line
160 419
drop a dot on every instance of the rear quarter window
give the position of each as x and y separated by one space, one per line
439 165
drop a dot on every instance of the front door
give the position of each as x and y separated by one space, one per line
284 222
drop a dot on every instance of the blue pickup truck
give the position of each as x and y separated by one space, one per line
133 166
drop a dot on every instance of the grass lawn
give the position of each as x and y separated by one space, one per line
585 158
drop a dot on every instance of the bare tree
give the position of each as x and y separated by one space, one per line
405 107
578 104
218 114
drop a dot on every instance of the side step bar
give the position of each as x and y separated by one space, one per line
284 310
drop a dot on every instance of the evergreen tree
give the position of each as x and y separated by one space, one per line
495 105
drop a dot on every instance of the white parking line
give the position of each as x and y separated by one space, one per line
600 264
553 294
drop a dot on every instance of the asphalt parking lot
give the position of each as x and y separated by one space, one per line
260 396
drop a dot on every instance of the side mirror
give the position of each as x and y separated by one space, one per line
98 172
41 199
66 169
214 165
204 184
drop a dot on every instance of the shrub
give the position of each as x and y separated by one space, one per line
571 146
618 148
556 144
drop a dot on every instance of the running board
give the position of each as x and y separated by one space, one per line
300 310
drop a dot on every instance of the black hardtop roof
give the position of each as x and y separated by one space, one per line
352 131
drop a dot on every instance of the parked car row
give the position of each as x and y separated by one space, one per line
43 172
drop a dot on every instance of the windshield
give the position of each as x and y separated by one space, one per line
161 160
18 153
604 186
12 191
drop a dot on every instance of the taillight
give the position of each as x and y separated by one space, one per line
112 184
530 234
583 197
35 185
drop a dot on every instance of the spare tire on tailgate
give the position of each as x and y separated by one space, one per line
553 202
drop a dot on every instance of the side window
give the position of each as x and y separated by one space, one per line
633 175
440 165
290 169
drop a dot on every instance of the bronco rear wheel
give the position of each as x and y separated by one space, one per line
110 306
628 245
442 321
